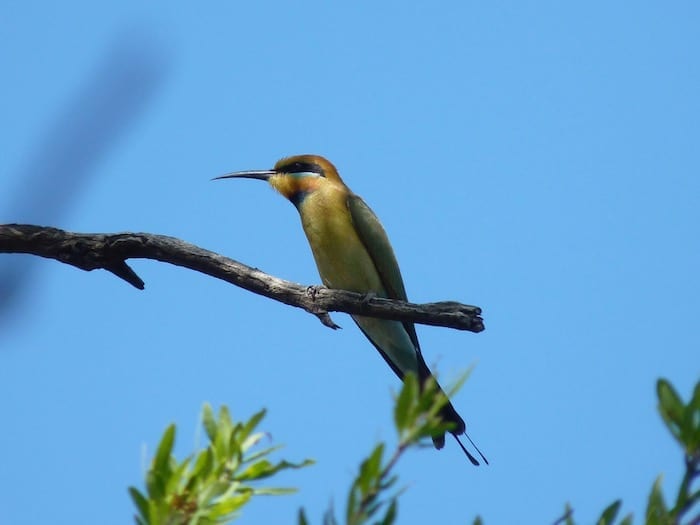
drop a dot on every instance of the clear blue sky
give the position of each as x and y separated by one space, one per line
539 161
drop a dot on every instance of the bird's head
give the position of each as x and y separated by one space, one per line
295 177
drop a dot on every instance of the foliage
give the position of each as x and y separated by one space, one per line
211 486
683 422
373 496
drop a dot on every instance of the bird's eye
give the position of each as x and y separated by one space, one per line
304 167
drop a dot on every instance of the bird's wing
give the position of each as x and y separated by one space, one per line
376 242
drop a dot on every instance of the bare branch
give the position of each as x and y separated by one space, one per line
91 251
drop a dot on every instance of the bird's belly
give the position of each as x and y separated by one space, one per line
341 258
345 264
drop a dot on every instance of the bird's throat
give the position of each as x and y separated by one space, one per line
295 187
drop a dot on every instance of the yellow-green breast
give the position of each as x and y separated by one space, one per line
341 258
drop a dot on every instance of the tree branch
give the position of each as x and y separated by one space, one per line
91 251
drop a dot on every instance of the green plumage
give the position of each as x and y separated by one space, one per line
352 252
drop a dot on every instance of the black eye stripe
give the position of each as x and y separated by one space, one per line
301 167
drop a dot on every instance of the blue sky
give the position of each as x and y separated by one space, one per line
540 161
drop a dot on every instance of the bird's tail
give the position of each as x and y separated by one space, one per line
449 414
469 455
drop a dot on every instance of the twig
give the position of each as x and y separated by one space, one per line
374 491
565 517
686 498
91 251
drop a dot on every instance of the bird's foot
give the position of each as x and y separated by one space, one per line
315 309
368 297
313 290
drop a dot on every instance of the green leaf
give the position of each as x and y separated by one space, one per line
260 453
691 423
177 475
224 445
141 503
209 422
390 515
259 469
277 491
208 487
329 517
670 407
213 490
251 441
253 422
610 513
264 469
352 506
430 398
202 467
457 385
159 474
229 506
301 518
370 469
657 512
221 446
156 482
478 521
225 420
161 462
695 400
372 508
402 409
627 520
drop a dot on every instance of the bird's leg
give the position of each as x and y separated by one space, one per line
323 316
312 290
368 297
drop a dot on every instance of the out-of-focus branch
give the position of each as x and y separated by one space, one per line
78 135
91 251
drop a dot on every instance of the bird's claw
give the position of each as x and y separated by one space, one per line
368 297
313 290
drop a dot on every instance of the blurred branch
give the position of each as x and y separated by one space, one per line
566 517
110 100
91 251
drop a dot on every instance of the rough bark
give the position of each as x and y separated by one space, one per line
92 251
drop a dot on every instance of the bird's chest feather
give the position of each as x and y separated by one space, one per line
341 258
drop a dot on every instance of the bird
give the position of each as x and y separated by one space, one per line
352 252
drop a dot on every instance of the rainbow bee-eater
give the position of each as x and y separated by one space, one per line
352 252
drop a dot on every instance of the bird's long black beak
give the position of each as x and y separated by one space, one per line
254 174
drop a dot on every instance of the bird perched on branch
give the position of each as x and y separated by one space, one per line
352 252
